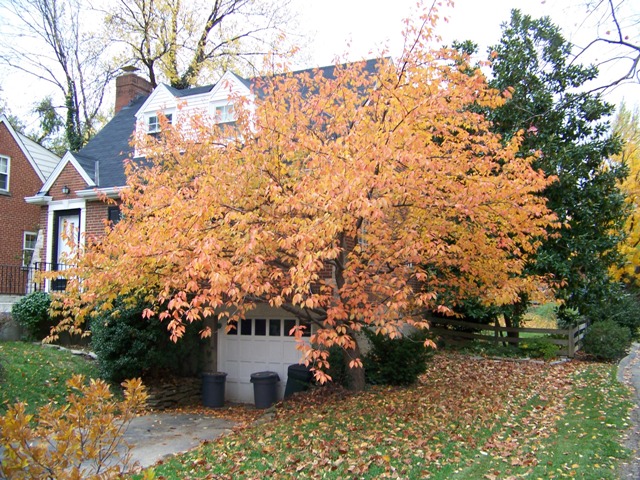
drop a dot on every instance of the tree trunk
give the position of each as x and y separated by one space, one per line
355 375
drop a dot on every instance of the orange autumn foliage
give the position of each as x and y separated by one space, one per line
362 199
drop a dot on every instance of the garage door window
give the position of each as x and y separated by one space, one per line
277 327
260 326
274 327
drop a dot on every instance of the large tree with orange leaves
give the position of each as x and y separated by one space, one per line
354 200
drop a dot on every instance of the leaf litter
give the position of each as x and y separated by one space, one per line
465 412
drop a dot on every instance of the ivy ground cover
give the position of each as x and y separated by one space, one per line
468 418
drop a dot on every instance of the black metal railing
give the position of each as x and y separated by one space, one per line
19 280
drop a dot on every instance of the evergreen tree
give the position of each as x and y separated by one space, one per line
568 126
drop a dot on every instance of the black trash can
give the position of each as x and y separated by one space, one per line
265 388
213 389
298 379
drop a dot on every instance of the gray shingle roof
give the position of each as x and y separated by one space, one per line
103 156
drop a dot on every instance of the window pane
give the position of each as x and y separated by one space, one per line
288 325
4 173
154 125
307 331
234 329
274 327
261 326
30 240
28 247
245 327
114 215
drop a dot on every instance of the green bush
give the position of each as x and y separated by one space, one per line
398 361
607 340
539 348
128 345
32 313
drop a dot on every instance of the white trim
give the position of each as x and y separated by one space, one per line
7 173
38 200
231 83
98 193
24 249
71 204
22 147
68 158
141 114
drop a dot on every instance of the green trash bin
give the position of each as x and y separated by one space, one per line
298 379
265 388
213 389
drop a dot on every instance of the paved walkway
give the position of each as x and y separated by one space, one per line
155 436
629 373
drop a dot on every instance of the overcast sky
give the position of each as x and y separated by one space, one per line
368 24
361 27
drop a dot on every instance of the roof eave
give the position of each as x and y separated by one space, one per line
38 200
100 193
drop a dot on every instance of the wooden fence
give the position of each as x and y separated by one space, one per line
569 340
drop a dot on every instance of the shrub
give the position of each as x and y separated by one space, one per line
32 313
128 345
52 445
607 340
539 348
398 361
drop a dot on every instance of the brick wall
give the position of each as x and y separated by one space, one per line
95 222
16 215
70 178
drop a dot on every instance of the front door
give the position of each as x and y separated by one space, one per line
67 237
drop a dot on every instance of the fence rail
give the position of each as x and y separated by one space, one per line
569 340
19 280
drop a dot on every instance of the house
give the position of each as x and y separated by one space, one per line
24 167
72 197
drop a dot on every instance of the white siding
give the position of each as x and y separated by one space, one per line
43 158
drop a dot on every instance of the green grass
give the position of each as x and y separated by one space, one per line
468 418
36 375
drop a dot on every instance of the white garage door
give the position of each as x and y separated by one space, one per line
260 343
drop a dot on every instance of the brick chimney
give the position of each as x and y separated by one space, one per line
129 86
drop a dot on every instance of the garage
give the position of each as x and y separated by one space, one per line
260 343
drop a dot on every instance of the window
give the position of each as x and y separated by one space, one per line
114 215
245 327
154 122
4 174
28 247
260 327
272 327
288 325
225 114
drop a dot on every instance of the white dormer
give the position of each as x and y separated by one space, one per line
214 102
162 100
221 106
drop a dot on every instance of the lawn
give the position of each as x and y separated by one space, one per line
468 418
36 375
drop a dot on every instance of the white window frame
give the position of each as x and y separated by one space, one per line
7 173
224 113
153 122
25 249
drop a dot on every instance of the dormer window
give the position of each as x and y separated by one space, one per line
153 123
225 114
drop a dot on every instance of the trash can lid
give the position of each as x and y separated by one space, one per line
299 367
265 375
214 374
